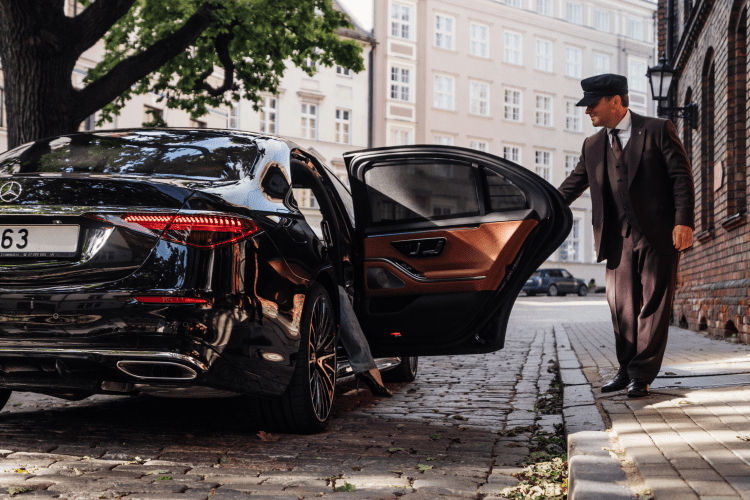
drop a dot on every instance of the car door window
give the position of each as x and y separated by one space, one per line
565 274
554 274
421 190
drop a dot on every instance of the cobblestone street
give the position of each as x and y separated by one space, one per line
437 437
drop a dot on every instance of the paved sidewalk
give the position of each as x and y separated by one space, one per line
691 438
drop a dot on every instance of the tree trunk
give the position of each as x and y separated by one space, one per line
37 65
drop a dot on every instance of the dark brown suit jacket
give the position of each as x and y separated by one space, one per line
660 181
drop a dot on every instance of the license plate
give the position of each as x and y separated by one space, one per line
38 240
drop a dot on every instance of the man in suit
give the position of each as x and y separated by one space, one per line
642 199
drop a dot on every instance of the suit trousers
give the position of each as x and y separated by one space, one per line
640 286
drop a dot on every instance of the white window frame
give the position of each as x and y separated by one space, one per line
445 32
635 29
405 136
444 140
573 116
480 40
269 115
543 164
543 115
512 153
599 68
309 120
479 98
401 26
573 62
601 20
512 110
574 12
544 7
343 126
479 145
403 88
445 92
571 160
575 240
637 81
342 71
543 60
233 116
513 3
513 50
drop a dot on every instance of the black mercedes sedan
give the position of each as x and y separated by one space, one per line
176 262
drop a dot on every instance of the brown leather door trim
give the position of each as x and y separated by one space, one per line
485 250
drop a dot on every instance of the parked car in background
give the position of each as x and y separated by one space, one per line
554 282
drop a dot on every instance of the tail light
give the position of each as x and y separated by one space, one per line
151 299
202 230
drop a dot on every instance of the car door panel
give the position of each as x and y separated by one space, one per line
472 259
498 220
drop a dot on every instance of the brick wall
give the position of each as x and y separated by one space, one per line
713 278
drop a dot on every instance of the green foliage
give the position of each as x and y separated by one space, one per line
17 490
260 37
346 487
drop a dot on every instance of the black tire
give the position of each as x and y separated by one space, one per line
530 294
583 290
406 371
305 407
552 291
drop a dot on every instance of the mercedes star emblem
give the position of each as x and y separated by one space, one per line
10 191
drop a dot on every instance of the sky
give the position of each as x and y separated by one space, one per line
362 10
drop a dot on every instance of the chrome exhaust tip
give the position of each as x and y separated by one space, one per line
156 370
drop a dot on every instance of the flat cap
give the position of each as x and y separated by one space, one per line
596 87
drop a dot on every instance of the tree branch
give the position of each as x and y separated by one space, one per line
92 24
129 71
222 50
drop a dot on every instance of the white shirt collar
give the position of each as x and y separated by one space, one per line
624 123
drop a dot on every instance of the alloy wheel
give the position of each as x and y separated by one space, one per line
322 358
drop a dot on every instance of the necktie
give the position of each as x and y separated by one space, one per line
616 146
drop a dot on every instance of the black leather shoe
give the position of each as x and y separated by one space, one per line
618 383
638 388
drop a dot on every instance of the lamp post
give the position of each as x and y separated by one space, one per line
660 78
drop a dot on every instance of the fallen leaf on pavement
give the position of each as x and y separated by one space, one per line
459 417
435 437
346 487
744 438
685 403
394 450
267 436
398 426
422 467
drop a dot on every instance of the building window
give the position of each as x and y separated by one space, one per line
340 70
153 117
443 140
635 29
269 116
479 145
513 3
737 116
233 119
444 92
343 126
574 13
570 164
544 7
708 136
401 137
90 122
480 98
445 32
544 55
309 120
512 153
197 124
512 105
637 81
402 18
513 47
573 117
570 249
400 83
573 62
601 64
543 164
543 111
480 40
601 20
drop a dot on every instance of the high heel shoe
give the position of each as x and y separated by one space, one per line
377 389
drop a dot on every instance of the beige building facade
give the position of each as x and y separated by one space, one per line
504 77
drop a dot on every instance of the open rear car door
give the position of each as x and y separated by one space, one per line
446 239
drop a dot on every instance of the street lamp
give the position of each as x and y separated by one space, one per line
660 78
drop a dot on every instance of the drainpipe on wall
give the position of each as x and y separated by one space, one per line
370 96
669 21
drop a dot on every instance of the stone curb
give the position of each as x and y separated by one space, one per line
593 473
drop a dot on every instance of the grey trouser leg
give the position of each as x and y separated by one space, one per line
353 338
